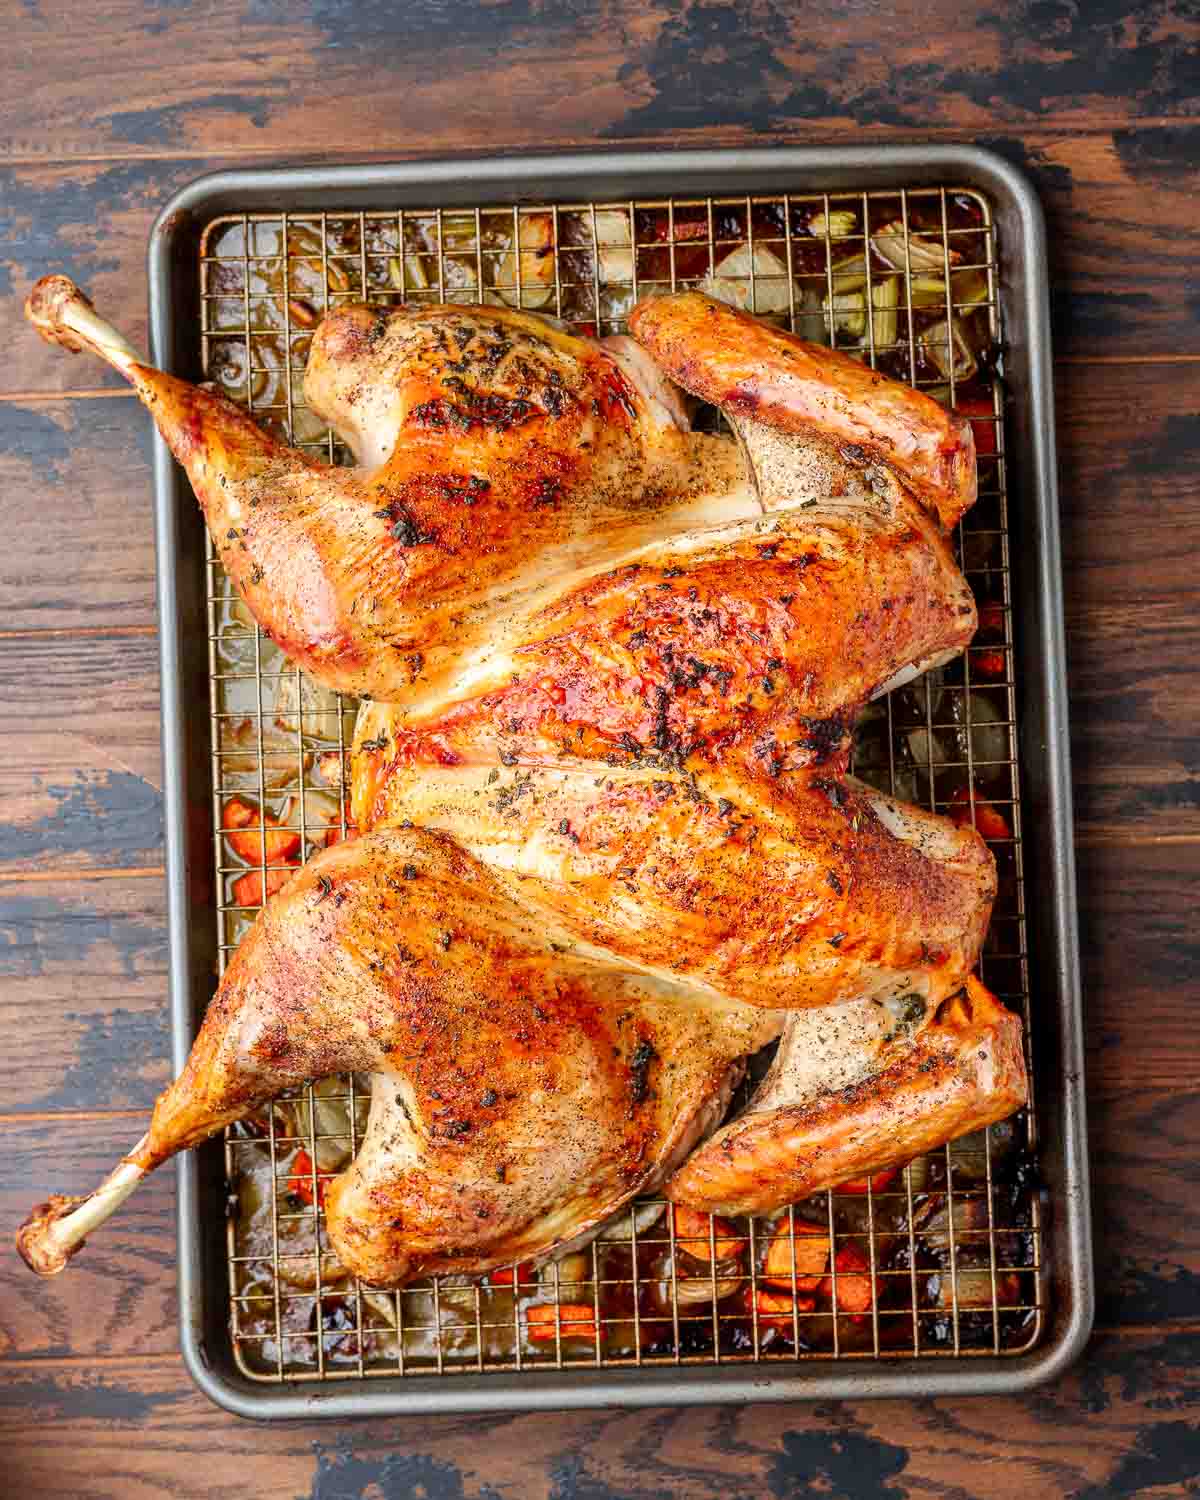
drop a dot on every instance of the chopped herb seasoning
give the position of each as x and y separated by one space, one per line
381 742
774 663
488 1098
724 807
493 777
326 885
409 872
446 939
837 940
834 883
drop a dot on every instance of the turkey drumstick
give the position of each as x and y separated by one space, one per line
523 1089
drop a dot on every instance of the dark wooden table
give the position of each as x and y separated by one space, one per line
104 112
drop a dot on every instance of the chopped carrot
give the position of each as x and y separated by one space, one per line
990 822
574 1320
301 1180
981 414
855 1290
693 1235
807 1248
989 663
880 1181
518 1275
248 838
248 888
774 1309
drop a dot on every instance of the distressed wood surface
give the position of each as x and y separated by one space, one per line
1098 103
80 765
257 77
1124 1424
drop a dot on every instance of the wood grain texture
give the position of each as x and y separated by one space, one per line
231 75
83 1003
79 538
118 1297
1129 451
1125 1424
80 767
1124 240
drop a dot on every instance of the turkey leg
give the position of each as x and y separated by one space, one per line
522 1089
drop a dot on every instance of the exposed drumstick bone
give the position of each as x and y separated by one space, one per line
63 315
56 1229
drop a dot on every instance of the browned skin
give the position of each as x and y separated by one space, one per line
623 663
521 1091
964 1071
792 891
737 362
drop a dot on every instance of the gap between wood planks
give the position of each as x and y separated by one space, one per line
27 153
125 872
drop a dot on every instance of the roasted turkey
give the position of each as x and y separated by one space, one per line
609 843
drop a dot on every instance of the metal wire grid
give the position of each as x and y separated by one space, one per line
655 1288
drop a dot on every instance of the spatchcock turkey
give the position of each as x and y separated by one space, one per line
608 843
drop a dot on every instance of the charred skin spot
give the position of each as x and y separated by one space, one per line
474 410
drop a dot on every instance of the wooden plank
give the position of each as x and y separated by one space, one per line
84 998
118 1296
1129 451
1123 1424
1124 241
1140 954
80 778
219 77
79 540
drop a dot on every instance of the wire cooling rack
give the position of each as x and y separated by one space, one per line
942 1259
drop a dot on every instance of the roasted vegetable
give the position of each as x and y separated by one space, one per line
853 1289
256 839
547 1322
699 1236
798 1258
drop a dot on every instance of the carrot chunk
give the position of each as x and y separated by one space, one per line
807 1249
575 1320
855 1290
692 1235
248 838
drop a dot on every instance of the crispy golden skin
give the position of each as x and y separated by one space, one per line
614 838
964 1070
522 1090
758 372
